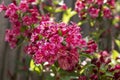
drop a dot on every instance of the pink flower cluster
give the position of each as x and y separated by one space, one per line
51 42
21 17
102 65
94 8
105 61
91 47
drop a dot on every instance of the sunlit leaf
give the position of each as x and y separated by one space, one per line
80 23
34 67
115 54
67 15
118 6
117 42
58 10
92 23
109 74
49 8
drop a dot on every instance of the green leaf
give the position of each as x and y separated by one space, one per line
60 32
103 68
115 21
109 74
87 66
87 55
67 15
49 8
57 10
56 2
118 6
40 36
92 23
117 42
34 67
80 23
23 28
115 54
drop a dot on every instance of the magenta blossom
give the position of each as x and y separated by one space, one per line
51 42
107 13
2 7
23 6
79 6
94 12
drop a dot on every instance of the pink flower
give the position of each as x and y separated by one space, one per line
82 78
94 76
34 37
82 15
51 42
2 7
64 7
107 13
14 1
38 57
79 5
16 24
100 2
27 20
11 10
31 49
117 75
104 53
73 40
56 39
89 1
117 67
30 1
111 3
69 61
23 6
91 47
45 18
48 48
13 18
11 38
94 12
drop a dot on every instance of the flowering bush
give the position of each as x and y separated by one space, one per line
59 48
98 8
